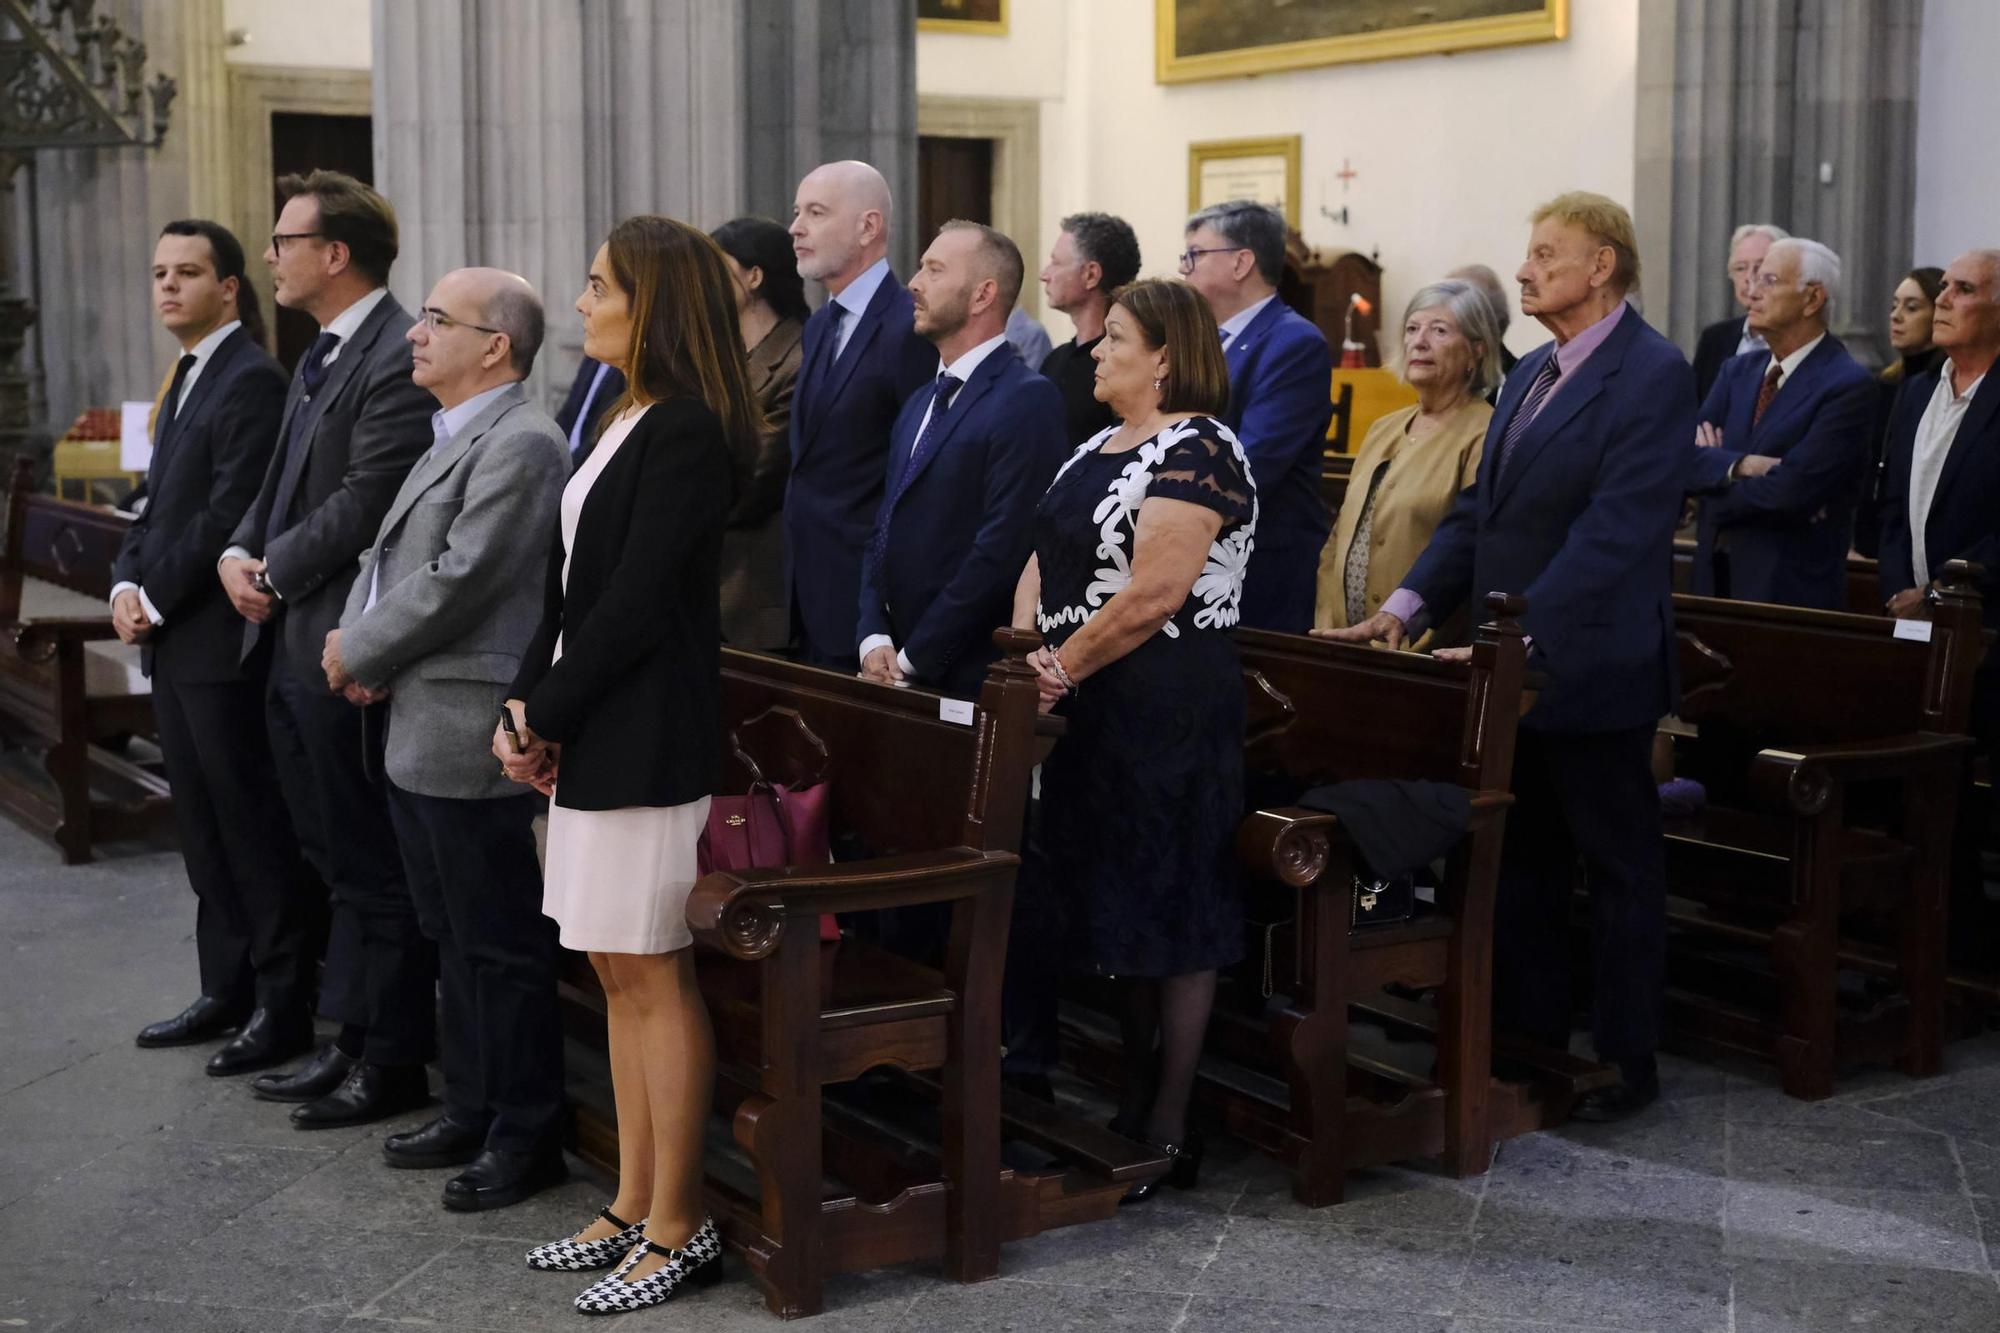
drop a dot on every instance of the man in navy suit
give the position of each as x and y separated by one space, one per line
213 439
1578 494
969 458
861 360
1783 445
595 388
1941 501
1280 402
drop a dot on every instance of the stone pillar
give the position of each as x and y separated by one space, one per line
517 132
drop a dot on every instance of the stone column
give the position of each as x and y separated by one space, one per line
516 132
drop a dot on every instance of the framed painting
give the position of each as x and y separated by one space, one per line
988 17
1266 170
1220 39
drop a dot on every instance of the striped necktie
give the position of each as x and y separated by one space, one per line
1531 404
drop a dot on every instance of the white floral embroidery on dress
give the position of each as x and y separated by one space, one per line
1219 586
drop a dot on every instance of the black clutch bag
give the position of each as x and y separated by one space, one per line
1381 902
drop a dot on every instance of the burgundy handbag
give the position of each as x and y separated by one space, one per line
769 826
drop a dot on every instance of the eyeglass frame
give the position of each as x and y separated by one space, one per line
278 239
1188 257
433 319
1766 280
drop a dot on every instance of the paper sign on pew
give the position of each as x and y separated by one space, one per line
1918 630
955 710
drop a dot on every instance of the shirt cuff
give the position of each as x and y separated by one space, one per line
871 643
145 602
234 553
1405 605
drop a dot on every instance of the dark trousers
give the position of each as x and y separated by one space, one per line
478 888
1587 798
252 889
1037 943
380 970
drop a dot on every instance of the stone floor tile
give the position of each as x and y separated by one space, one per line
41 1305
1981 1164
1386 1196
1966 1106
327 1269
1531 1199
1236 1314
1987 1210
1366 1268
231 1114
1881 1157
1027 1307
119 1314
1654 1275
121 1091
1779 1297
27 1165
1828 1225
1145 1248
1662 1140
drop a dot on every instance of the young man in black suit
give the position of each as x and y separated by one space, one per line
212 441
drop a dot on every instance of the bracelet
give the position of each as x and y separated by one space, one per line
1055 664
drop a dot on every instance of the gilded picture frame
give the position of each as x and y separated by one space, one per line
1185 53
987 18
1260 162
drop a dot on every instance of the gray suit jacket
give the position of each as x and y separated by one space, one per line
462 557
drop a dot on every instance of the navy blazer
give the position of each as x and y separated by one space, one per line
952 535
1582 525
1280 404
1713 350
1785 534
1964 518
207 467
579 397
841 417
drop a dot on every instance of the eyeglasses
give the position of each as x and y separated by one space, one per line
278 239
1190 255
1767 280
435 319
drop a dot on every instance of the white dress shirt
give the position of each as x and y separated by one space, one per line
445 425
962 371
202 352
1750 340
854 299
1236 323
1935 432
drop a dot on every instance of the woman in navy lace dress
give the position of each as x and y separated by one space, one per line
1140 547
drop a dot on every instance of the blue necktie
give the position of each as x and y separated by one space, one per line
313 370
946 388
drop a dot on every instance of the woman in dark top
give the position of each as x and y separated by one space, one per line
1910 339
617 706
772 311
1140 547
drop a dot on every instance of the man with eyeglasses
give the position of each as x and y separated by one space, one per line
1280 402
437 619
1782 445
353 425
1733 337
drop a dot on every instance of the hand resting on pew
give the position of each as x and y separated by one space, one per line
1378 628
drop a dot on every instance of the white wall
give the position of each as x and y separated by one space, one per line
1451 151
1958 185
331 34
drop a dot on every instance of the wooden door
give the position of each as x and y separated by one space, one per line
954 180
302 144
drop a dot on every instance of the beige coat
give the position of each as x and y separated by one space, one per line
1416 492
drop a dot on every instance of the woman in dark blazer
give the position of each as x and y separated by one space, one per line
617 707
1910 310
772 311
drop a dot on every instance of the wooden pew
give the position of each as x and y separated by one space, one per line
933 810
68 688
1864 595
1832 751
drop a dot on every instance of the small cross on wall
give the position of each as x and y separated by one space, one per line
1345 175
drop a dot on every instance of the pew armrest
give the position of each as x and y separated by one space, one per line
39 639
1292 844
1802 779
743 913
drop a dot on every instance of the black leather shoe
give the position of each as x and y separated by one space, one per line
371 1092
497 1178
204 1020
1183 1171
443 1142
309 1082
1604 1106
268 1038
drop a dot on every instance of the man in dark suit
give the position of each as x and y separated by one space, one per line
1733 337
1094 255
1941 501
212 443
595 388
1280 402
1783 444
1578 493
969 459
354 423
862 360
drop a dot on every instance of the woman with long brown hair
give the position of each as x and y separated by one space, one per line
617 709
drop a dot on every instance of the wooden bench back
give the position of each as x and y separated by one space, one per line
58 541
1326 712
1787 674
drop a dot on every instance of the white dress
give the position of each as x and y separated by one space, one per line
617 881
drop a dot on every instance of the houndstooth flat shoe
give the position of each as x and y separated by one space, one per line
697 1264
570 1255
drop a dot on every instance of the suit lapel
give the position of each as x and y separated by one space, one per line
190 412
858 342
982 382
1796 392
1572 393
353 352
1977 422
436 465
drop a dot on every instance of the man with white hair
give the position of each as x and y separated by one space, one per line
1782 445
861 360
1725 338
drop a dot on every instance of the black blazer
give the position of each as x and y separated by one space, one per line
207 466
363 432
1712 351
636 699
1963 522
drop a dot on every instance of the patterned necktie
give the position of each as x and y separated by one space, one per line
1545 380
946 390
1767 393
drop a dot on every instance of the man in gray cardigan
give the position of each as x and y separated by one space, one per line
444 603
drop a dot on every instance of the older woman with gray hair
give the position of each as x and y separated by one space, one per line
1414 461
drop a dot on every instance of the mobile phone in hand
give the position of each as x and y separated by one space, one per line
260 582
507 725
